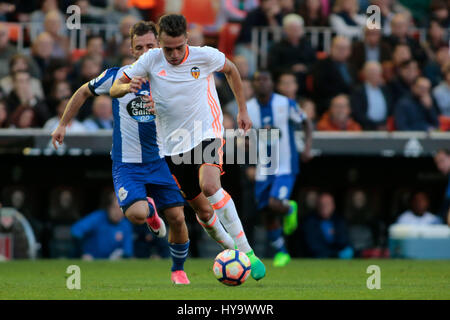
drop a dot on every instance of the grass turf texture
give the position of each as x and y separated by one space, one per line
150 279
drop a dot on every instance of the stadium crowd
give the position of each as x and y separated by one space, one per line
386 78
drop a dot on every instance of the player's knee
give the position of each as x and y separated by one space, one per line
209 188
205 212
175 217
137 215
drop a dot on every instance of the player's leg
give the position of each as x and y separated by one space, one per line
132 197
209 221
186 177
280 204
168 199
209 179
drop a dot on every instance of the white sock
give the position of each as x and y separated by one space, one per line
215 230
226 211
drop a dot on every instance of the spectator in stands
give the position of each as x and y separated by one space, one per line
42 51
400 54
11 227
370 49
7 51
123 52
38 16
241 64
387 13
439 12
371 102
57 71
400 27
442 161
417 112
73 127
102 117
3 114
90 69
90 12
345 20
268 14
400 86
294 52
23 117
333 75
337 118
435 40
434 68
59 90
287 85
120 9
195 37
20 62
313 13
326 234
22 95
418 213
441 93
115 43
365 228
105 233
52 25
309 107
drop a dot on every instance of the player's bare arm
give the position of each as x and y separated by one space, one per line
124 85
235 82
74 104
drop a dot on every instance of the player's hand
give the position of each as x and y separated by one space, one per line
136 84
244 121
149 104
58 136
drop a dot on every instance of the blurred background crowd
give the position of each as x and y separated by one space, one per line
344 75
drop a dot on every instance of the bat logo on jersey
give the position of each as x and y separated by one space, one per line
195 72
137 110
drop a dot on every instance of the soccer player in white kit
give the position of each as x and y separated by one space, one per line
189 119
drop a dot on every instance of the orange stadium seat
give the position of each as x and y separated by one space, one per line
76 54
227 38
199 11
444 123
14 30
390 124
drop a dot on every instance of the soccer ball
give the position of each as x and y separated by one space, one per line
231 267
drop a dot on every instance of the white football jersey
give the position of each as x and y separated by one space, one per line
186 102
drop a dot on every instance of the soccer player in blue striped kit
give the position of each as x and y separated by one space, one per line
269 110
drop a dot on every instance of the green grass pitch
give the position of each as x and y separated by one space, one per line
150 279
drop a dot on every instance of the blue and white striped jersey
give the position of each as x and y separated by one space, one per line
279 113
135 139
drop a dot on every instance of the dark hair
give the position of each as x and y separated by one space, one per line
18 56
143 27
443 150
173 25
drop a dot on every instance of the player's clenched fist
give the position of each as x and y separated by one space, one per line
136 84
244 121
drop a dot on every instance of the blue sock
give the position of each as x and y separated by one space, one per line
151 211
276 240
179 254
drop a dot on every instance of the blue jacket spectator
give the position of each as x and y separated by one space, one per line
417 112
326 234
105 234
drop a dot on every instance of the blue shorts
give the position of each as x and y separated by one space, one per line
135 181
278 187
